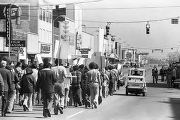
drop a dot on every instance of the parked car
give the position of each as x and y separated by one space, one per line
136 82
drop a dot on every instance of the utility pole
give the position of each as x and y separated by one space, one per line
59 42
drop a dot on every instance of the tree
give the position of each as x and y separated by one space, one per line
173 57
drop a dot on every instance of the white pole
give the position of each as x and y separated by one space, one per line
59 43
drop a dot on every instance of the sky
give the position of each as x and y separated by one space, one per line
163 34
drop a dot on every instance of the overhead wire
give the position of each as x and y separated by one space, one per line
109 8
140 21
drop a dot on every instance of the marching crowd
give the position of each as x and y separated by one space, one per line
168 74
56 86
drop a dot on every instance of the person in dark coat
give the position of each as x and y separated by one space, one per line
155 74
28 83
6 75
45 82
1 85
162 73
76 86
84 83
12 93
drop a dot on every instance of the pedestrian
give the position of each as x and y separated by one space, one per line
21 95
162 74
84 88
105 80
112 80
28 83
35 75
1 85
76 86
39 96
173 76
155 74
6 75
93 77
18 71
67 84
45 82
116 76
60 73
100 84
12 93
169 76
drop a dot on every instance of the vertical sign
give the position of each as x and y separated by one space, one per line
8 25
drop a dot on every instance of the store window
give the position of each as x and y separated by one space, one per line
41 14
49 16
44 15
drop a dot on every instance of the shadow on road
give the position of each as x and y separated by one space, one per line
158 85
175 103
175 106
120 94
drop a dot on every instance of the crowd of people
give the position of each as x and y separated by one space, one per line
168 75
55 86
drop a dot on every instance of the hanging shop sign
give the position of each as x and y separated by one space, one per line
45 48
18 39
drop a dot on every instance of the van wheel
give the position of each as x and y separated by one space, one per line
144 94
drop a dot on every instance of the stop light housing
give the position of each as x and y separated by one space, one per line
107 30
147 31
147 28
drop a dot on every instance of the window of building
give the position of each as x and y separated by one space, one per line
44 15
50 17
47 16
41 14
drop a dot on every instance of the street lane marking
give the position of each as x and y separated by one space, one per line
75 114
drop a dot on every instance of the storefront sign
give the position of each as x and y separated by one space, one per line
17 43
84 50
45 48
84 56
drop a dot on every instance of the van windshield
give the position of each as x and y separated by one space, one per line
136 73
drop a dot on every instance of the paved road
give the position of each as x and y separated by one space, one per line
160 104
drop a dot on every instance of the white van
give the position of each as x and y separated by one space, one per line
136 82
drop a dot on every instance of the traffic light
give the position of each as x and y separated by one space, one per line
147 28
107 30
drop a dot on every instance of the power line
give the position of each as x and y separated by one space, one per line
155 48
47 4
120 22
153 7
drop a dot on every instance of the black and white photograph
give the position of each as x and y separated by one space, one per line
89 59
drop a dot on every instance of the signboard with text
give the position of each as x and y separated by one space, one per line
16 43
45 48
18 39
